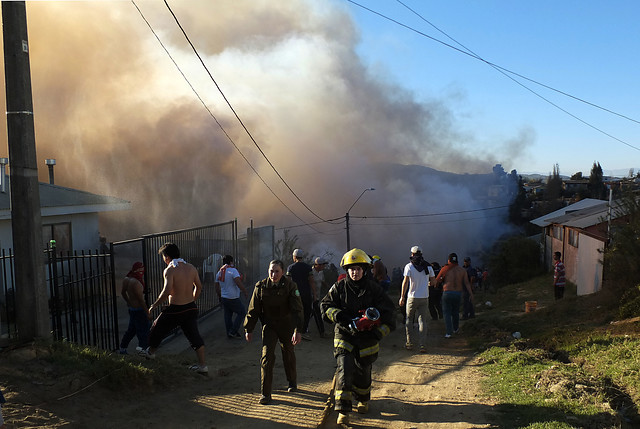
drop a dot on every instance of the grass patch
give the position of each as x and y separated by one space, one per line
62 362
575 366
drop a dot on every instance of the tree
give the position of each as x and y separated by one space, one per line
597 188
514 259
519 203
554 185
284 248
622 255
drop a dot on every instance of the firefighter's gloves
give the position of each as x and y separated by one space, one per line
368 319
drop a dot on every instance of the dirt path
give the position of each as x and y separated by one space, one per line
410 390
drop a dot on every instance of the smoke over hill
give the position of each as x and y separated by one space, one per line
117 115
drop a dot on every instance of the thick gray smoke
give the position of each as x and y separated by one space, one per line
119 118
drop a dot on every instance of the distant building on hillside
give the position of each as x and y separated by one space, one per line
580 232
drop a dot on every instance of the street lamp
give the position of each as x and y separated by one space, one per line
347 216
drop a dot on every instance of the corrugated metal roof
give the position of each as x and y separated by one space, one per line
587 203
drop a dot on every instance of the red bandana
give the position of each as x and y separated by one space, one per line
137 272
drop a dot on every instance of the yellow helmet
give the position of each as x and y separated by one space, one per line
375 258
355 256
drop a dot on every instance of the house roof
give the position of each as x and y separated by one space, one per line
550 218
588 216
58 200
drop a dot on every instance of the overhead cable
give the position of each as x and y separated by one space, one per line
236 114
505 71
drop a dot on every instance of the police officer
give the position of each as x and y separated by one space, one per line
276 303
362 314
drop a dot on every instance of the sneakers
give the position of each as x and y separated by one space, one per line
292 388
146 354
408 346
199 369
423 349
123 351
447 336
306 337
456 331
139 349
265 400
362 407
343 419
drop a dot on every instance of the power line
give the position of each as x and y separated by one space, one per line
505 71
195 51
499 68
211 113
430 214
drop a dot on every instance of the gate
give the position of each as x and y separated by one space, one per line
82 298
203 247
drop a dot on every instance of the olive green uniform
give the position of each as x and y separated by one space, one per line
279 308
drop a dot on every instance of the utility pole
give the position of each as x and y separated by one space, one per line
30 286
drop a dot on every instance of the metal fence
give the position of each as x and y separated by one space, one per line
82 298
84 287
203 247
8 328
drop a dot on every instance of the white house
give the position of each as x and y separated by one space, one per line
580 232
69 216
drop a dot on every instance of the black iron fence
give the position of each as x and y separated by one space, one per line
82 298
84 287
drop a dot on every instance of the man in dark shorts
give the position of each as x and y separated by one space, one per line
182 288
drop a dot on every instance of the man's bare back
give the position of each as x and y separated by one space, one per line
455 279
132 292
182 283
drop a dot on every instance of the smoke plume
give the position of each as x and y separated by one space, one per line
114 111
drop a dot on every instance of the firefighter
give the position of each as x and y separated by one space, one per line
362 314
276 304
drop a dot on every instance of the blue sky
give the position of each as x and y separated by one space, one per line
586 49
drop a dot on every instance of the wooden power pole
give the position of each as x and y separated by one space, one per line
32 310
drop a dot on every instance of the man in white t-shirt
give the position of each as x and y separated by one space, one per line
415 287
228 286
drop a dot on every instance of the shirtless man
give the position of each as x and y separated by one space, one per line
182 288
139 316
454 278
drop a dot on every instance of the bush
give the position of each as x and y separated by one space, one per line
630 303
513 260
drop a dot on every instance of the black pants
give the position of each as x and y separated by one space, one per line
317 316
468 311
353 380
435 302
307 307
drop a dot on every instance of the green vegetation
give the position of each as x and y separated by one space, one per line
513 259
575 365
67 361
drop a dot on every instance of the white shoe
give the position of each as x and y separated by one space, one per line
199 369
343 419
146 354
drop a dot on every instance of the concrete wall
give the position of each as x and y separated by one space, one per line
590 268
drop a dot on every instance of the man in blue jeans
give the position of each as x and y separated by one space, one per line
454 279
139 317
228 287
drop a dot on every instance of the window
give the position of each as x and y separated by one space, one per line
61 233
573 237
558 232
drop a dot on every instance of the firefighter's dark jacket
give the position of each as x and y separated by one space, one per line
344 302
275 304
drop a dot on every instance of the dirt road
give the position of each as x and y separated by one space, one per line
439 389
